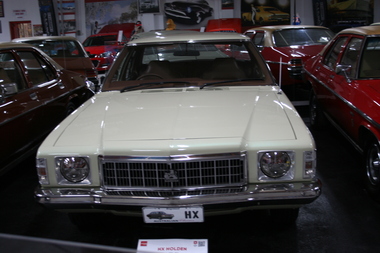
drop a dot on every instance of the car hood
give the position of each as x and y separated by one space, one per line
304 51
114 119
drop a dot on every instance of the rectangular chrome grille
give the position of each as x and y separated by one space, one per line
174 172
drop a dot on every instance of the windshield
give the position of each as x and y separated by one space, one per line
189 64
59 48
309 36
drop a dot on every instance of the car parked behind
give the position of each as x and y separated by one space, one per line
286 47
191 122
68 52
36 94
103 46
345 79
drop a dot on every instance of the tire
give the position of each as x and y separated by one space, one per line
372 169
317 118
70 108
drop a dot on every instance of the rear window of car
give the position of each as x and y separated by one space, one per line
309 36
59 48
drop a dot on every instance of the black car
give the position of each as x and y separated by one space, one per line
160 215
188 12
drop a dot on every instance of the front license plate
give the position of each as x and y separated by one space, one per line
173 215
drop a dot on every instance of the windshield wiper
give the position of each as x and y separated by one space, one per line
128 88
228 81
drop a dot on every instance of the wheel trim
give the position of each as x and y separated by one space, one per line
373 165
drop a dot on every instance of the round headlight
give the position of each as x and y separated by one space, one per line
275 164
74 169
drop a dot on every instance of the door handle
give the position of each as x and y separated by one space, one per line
33 96
61 85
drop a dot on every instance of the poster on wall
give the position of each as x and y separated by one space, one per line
48 19
149 6
1 9
273 12
37 30
67 21
227 4
320 12
104 12
191 15
338 15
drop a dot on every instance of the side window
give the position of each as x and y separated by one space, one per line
38 70
10 72
331 57
369 66
351 56
258 39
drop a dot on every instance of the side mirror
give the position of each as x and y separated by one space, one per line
345 69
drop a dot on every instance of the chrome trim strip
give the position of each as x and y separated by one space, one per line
348 103
42 105
255 193
277 62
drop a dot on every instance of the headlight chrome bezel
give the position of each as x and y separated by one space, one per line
269 157
64 178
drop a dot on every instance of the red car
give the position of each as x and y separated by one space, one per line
289 46
104 46
345 79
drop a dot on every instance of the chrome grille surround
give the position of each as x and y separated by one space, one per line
174 175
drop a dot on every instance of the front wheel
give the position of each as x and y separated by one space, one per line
372 169
317 118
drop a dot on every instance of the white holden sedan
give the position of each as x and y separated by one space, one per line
187 123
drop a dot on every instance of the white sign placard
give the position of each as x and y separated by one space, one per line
173 245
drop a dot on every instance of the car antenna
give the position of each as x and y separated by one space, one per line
280 77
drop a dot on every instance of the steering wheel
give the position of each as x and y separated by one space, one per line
149 76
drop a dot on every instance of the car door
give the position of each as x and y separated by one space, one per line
329 89
18 105
343 83
49 90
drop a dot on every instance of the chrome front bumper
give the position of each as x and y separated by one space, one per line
255 196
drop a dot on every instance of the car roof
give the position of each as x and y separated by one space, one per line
24 39
13 45
362 30
184 36
283 27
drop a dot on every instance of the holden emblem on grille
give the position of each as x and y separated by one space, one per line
171 176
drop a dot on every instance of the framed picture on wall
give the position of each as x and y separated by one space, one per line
149 6
38 30
1 8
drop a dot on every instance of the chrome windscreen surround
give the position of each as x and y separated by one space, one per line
182 172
